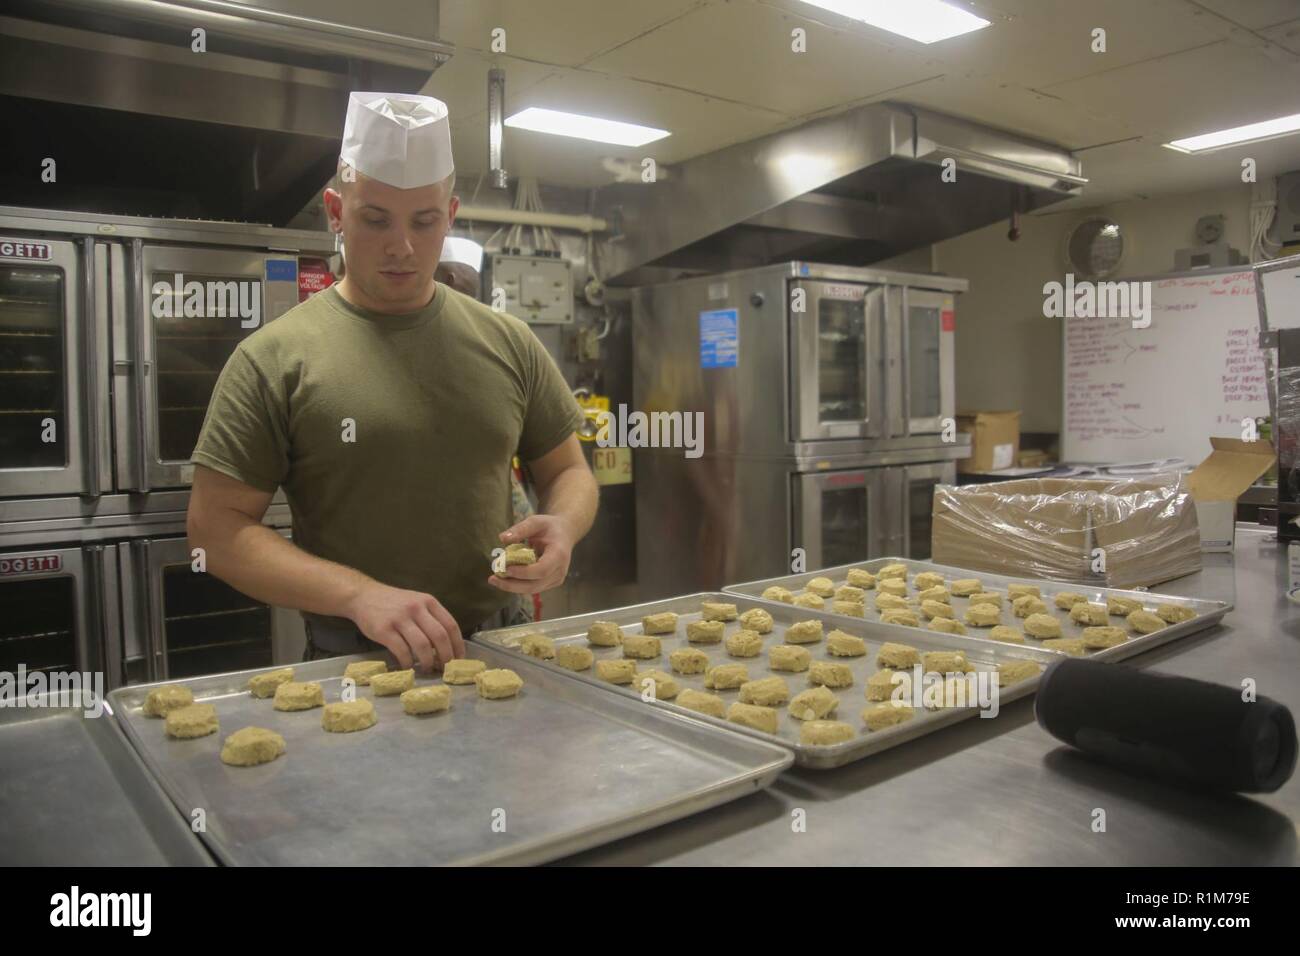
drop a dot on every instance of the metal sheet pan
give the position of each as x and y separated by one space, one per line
555 770
1208 613
983 655
74 793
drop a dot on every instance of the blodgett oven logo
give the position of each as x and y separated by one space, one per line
22 249
30 565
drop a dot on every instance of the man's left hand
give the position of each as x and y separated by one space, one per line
550 537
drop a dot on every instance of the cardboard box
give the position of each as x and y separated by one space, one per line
1118 533
1217 483
994 440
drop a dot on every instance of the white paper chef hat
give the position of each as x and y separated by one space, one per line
465 251
401 139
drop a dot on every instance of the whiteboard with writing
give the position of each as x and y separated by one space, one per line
1160 392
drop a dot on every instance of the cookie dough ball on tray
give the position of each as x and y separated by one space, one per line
788 657
756 620
688 660
604 634
574 658
187 723
778 593
250 746
726 676
345 717
814 704
753 716
264 685
162 700
947 625
705 632
766 692
824 733
744 643
299 695
463 670
1042 626
703 703
429 700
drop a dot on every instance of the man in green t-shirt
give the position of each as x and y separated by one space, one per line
388 407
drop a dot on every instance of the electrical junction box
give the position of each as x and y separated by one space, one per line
537 289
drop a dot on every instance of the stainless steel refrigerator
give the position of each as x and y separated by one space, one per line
827 395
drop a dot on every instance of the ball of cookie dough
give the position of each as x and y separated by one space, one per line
662 686
641 646
940 594
697 700
895 570
431 699
824 733
1068 599
751 715
822 587
945 662
894 586
1174 613
965 587
362 671
926 580
705 632
880 716
839 644
804 632
1027 604
1121 606
897 656
1012 672
849 608
936 609
662 623
982 615
1099 638
604 634
1086 613
882 684
1068 645
498 683
186 723
616 672
539 646
788 657
1042 626
715 611
250 746
814 601
814 703
574 658
1144 622
298 695
987 597
1022 590
1008 635
778 593
688 660
264 685
848 592
344 717
899 616
861 578
726 676
162 700
744 643
392 683
756 620
462 670
890 602
518 553
766 692
947 625
830 674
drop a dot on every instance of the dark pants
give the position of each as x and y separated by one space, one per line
325 639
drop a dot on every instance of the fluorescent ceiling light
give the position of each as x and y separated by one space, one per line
1268 129
559 123
926 21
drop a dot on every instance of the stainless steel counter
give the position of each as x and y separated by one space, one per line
1005 792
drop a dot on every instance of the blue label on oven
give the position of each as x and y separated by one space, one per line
719 338
281 270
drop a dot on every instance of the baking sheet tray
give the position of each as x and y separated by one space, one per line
1208 613
555 770
983 655
74 793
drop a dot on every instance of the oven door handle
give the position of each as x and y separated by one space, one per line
142 553
140 327
90 406
90 643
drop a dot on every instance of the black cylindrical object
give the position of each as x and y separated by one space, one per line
1172 727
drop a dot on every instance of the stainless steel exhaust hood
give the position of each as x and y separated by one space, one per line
849 189
141 123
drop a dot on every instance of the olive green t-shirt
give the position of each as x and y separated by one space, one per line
392 435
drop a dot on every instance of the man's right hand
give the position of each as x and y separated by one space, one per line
414 626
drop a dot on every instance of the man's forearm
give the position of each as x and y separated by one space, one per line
573 497
259 562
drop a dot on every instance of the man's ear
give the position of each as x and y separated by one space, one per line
452 205
334 209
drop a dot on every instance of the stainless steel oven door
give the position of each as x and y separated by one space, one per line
53 369
922 323
915 507
188 623
836 350
838 516
60 609
192 307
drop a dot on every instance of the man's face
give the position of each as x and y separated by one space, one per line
459 276
392 239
